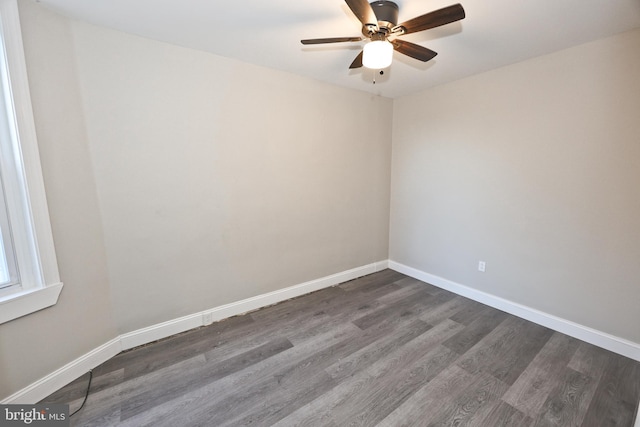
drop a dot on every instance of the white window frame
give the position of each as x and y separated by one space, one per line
40 284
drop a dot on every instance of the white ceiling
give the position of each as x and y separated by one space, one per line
493 34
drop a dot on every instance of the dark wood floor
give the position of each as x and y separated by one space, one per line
383 350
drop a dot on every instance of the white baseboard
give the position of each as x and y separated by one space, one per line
274 297
206 317
601 339
63 376
160 330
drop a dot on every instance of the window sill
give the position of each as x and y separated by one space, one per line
18 305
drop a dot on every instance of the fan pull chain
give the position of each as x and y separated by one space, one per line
374 76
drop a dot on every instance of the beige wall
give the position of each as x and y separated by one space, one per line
219 180
532 168
36 345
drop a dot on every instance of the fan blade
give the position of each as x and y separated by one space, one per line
363 11
433 19
413 50
331 40
357 63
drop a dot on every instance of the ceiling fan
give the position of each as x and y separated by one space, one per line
379 25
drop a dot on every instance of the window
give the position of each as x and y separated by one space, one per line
29 279
8 267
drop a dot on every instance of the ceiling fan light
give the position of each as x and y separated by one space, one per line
377 54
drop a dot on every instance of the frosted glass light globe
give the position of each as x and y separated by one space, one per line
377 54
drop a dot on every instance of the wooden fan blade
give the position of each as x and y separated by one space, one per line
331 40
433 19
357 63
363 11
413 50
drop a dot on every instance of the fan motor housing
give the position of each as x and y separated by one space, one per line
386 12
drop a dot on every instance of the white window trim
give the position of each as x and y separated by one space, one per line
46 293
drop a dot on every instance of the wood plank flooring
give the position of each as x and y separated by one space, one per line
384 349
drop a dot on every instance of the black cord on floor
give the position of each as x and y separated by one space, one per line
86 394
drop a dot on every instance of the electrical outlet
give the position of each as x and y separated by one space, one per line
207 318
482 266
